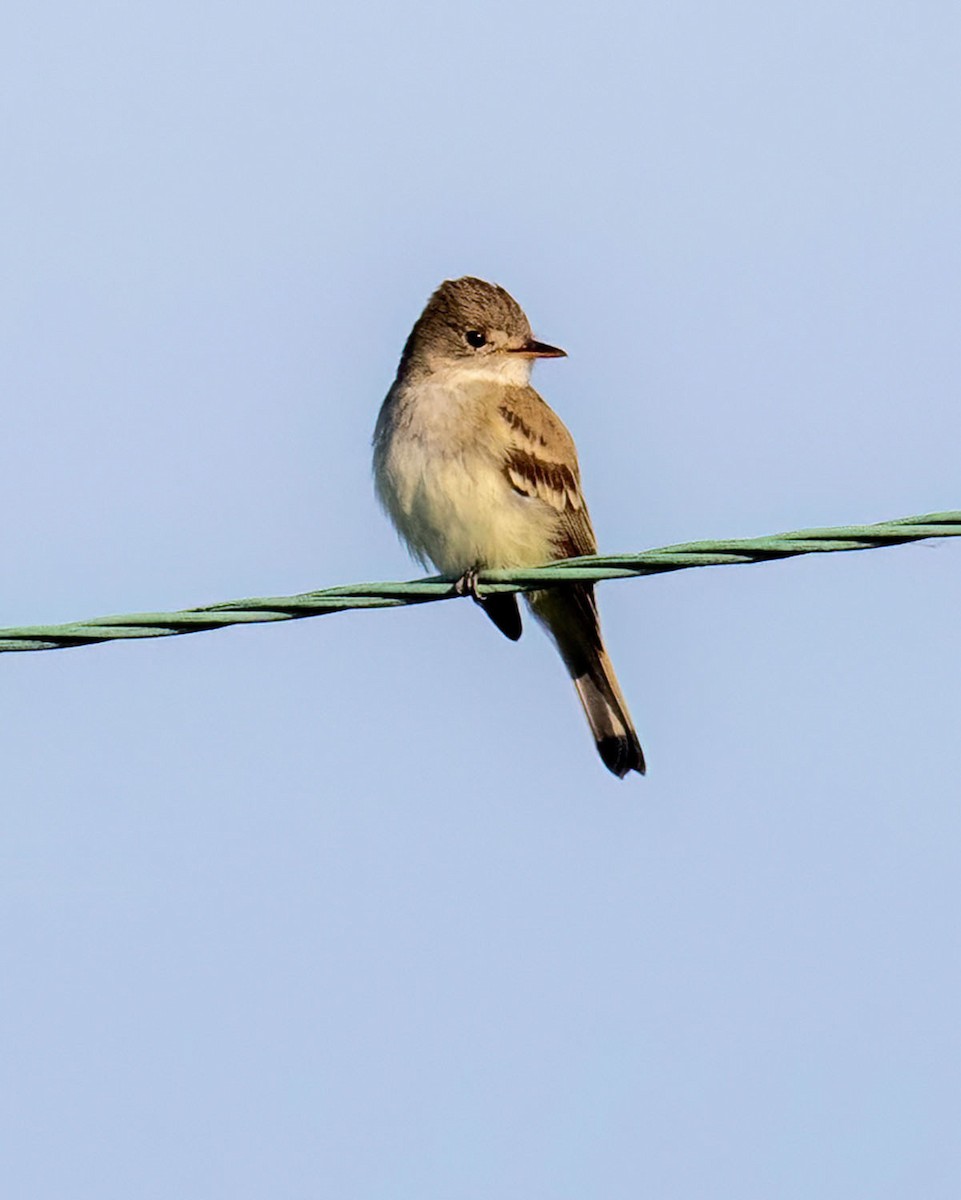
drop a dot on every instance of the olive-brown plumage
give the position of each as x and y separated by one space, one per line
477 471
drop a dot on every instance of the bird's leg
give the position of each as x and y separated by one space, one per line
467 585
502 609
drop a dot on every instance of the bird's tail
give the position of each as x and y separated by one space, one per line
570 617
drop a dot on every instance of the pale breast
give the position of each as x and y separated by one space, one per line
440 470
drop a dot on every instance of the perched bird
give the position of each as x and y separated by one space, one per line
477 472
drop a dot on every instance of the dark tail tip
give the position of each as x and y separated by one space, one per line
621 754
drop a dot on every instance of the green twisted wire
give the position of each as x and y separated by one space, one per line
590 569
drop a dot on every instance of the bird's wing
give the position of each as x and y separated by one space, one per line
541 463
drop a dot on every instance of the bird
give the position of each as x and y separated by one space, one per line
477 472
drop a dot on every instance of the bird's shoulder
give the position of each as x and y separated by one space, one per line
535 426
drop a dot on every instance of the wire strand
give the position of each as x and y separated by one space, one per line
590 569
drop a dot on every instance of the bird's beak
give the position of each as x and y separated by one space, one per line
532 349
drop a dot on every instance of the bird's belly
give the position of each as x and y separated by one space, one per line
459 511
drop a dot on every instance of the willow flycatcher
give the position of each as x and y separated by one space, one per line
477 472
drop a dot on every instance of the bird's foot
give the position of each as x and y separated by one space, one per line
467 585
502 610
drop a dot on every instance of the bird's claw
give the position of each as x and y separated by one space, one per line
467 585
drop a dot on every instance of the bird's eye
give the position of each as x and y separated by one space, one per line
475 338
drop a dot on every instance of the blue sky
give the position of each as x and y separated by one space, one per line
349 906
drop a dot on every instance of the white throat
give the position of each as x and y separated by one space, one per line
513 369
